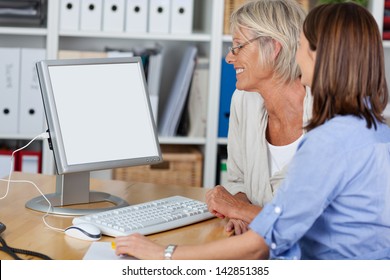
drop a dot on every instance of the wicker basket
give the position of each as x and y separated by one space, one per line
182 166
230 6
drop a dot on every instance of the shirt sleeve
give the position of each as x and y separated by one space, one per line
235 155
303 196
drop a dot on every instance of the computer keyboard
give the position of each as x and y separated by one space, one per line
150 217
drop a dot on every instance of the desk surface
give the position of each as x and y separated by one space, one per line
26 230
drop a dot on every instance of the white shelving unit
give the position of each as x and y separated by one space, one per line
207 35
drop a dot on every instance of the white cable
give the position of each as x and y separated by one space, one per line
12 161
41 193
43 135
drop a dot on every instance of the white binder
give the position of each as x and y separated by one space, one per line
136 16
9 89
30 161
91 15
69 14
154 81
197 99
114 15
174 106
31 114
181 16
5 163
159 16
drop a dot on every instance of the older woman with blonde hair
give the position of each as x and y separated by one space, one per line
268 110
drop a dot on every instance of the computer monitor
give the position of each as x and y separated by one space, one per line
99 117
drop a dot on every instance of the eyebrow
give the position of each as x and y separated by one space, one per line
238 40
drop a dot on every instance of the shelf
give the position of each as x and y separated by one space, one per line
17 137
198 37
227 38
386 43
182 140
23 31
222 141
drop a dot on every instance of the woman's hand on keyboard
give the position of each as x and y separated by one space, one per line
138 246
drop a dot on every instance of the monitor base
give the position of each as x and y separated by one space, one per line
40 204
73 189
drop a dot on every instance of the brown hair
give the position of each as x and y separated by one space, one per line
349 72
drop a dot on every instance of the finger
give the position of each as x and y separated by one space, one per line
243 227
239 226
121 250
127 241
219 215
229 226
237 230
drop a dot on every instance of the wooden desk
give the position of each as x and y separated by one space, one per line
26 230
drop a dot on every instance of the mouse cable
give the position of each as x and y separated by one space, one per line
40 136
14 251
44 135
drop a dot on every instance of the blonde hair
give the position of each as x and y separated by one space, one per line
273 20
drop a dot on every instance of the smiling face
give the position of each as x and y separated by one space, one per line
250 69
305 58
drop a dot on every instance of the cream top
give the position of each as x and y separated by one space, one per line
280 156
248 165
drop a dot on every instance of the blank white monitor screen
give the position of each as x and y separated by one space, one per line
104 115
99 117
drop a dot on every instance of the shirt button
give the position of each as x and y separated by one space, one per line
278 210
273 246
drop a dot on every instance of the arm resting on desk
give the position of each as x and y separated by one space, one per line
245 246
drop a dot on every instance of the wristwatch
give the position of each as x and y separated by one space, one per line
168 252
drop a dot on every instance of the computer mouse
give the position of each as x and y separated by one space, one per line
84 231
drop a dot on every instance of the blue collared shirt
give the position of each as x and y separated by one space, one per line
335 200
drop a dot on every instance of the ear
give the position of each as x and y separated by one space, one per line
313 55
277 48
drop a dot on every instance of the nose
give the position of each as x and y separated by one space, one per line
229 58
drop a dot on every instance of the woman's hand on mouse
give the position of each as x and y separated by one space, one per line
138 246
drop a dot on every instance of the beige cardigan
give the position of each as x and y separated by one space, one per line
247 165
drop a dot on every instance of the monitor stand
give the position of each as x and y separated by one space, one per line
71 189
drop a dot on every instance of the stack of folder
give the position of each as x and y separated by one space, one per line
130 16
21 109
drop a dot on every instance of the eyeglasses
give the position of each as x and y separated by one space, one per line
235 50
